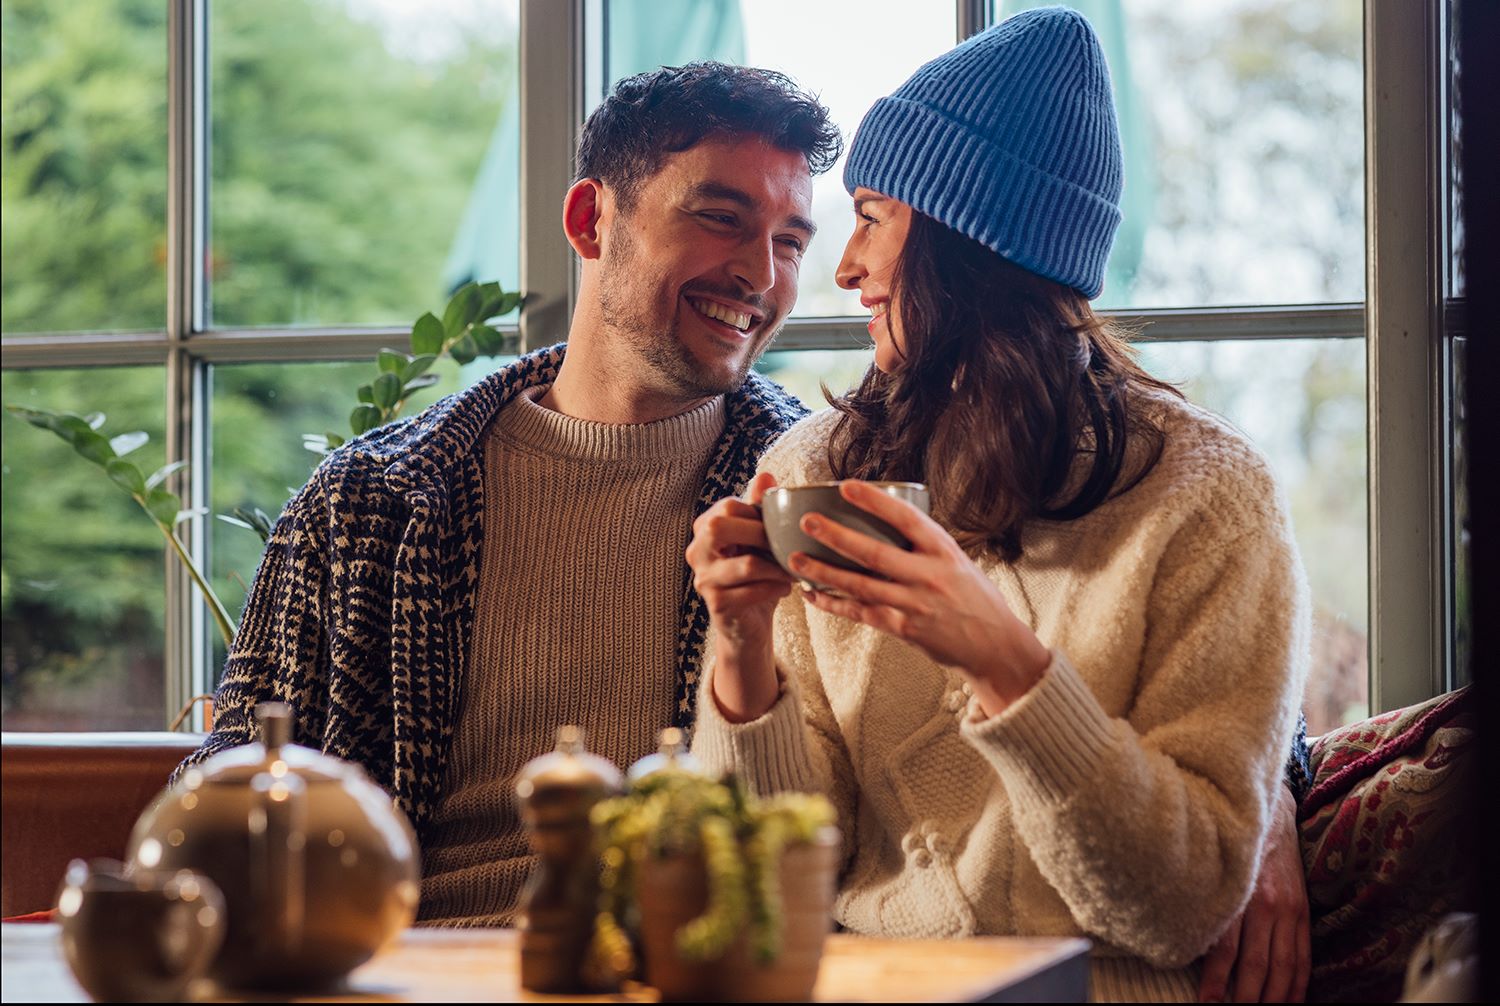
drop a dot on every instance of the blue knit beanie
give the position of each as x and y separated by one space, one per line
1011 139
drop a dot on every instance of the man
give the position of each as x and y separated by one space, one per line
445 592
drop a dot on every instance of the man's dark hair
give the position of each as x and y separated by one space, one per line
666 111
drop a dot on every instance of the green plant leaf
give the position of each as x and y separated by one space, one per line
127 476
386 391
334 440
366 394
391 361
363 419
165 472
40 418
318 443
183 515
464 350
461 309
419 365
508 303
94 419
427 335
163 506
253 519
490 295
489 341
92 446
70 427
417 384
127 442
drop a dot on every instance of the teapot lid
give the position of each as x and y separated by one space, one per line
570 766
274 753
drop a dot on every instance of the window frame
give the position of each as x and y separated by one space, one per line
1408 343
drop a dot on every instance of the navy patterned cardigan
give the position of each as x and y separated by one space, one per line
362 609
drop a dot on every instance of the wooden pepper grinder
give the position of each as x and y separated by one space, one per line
561 897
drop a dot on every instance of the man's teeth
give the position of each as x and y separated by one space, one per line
719 312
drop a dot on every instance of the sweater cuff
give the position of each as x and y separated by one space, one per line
769 754
1050 742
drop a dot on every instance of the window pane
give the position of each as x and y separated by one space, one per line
364 157
847 56
83 165
260 414
1244 151
805 372
1453 155
1463 578
81 567
1302 402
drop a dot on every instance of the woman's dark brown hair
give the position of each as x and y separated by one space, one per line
1015 400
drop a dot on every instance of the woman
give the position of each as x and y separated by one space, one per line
1064 711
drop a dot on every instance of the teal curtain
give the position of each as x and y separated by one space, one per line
1139 196
641 35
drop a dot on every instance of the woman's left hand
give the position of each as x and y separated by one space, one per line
933 597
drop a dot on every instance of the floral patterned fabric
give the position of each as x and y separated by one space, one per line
1386 843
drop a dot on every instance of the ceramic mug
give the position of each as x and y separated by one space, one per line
783 507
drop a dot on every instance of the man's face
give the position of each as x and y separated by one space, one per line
698 273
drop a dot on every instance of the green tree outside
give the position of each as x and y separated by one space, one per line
340 165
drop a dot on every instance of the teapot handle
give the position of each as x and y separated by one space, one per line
278 872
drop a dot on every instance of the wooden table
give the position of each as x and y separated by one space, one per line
480 965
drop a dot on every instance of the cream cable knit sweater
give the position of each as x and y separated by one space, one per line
1127 795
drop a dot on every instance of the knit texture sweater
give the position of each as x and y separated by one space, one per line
361 614
1127 795
584 529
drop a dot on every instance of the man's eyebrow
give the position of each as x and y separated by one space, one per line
743 199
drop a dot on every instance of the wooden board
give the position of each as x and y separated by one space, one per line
480 965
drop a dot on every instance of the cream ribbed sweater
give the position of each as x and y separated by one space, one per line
1127 795
580 593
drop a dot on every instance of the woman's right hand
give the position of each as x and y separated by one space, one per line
740 583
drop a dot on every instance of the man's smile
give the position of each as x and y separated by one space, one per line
736 321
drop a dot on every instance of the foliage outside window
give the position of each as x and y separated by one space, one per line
348 143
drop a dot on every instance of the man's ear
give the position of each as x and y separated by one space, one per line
583 207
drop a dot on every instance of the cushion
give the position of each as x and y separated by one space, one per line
1388 842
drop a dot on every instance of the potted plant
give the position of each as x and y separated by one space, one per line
709 893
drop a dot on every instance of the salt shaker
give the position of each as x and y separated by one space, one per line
561 898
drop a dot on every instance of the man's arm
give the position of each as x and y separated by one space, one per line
280 651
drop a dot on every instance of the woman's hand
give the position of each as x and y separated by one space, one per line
740 583
934 597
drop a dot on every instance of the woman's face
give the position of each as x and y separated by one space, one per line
880 227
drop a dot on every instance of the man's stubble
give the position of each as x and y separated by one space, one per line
624 289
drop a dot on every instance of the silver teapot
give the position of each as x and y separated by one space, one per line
318 867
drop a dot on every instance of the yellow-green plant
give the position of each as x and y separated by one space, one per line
740 839
464 333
